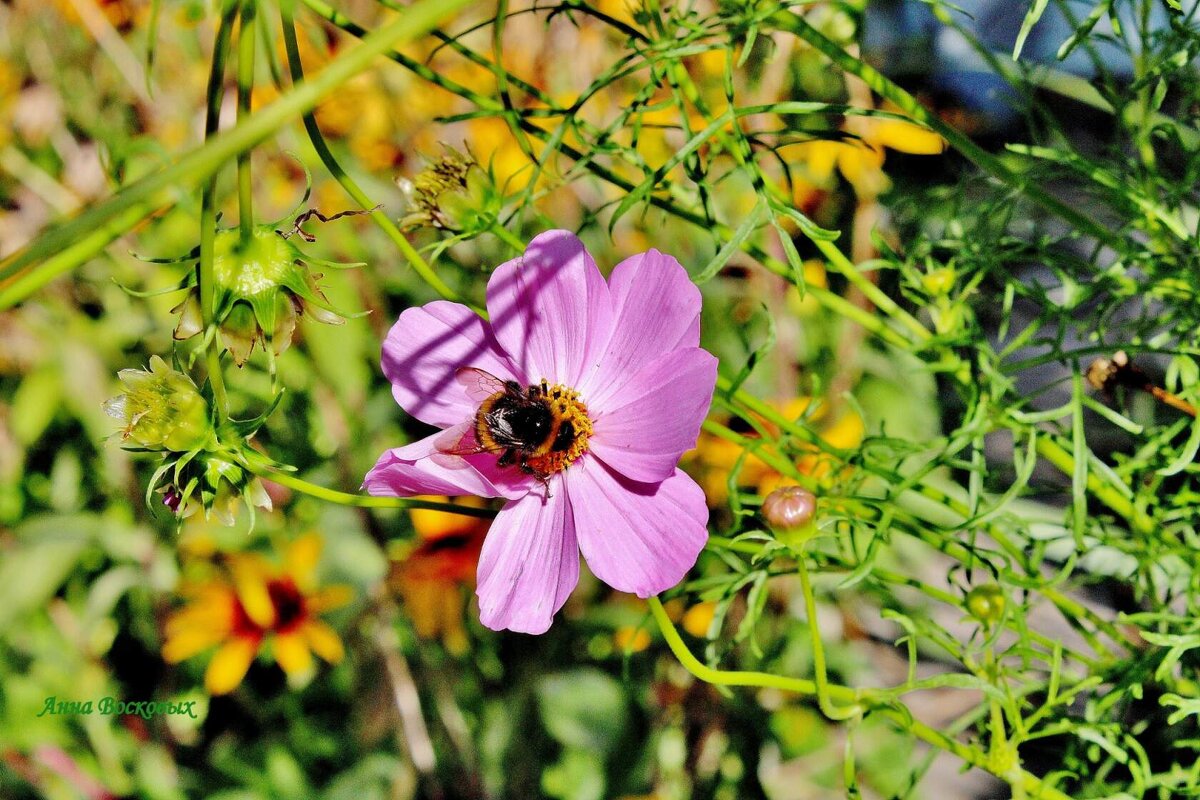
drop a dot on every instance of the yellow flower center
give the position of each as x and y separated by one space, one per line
571 426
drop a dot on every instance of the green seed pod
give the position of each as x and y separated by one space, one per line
987 603
263 285
161 409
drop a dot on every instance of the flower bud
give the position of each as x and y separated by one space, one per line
791 513
213 481
172 499
939 281
161 409
789 507
986 603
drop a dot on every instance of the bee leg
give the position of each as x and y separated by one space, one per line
542 477
506 458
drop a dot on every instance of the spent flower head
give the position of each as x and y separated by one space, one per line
574 404
214 481
453 193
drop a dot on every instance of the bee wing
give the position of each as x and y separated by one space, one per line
479 385
454 443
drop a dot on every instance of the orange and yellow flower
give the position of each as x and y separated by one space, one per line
251 604
434 576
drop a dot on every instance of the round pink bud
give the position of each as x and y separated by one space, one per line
789 508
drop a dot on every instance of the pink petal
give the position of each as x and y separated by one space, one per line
658 419
550 309
637 537
422 352
419 468
656 309
529 563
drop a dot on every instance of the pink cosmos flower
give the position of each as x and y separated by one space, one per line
620 367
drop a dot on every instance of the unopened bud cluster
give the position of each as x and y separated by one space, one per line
203 465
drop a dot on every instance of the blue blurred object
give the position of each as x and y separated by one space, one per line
905 36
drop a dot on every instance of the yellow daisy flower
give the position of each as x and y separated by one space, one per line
252 605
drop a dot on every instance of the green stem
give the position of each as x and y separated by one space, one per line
1082 91
206 280
366 500
390 229
341 21
1059 457
725 543
1002 754
971 755
245 84
508 237
734 678
810 606
842 307
759 447
772 415
72 243
842 263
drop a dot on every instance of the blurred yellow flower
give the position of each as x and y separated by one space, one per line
252 603
621 10
699 617
121 14
860 156
714 457
496 149
432 576
9 83
630 639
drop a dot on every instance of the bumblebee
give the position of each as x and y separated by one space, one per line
539 428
